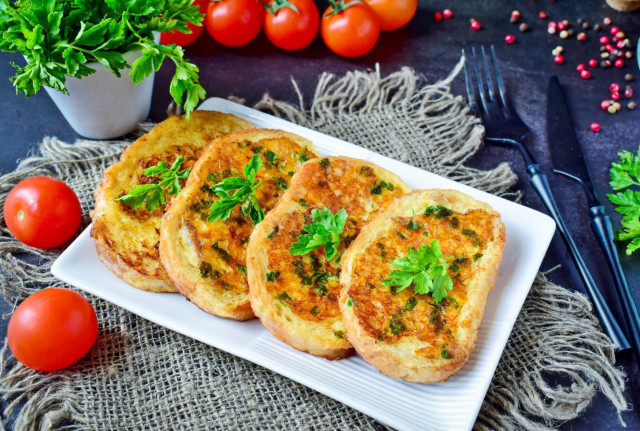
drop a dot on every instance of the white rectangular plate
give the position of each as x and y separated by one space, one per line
452 405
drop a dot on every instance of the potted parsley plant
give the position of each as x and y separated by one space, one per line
79 50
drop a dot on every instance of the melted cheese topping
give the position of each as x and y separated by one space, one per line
390 316
308 284
221 245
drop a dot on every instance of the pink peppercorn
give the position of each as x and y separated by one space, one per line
606 20
580 67
561 26
552 24
593 63
447 14
582 37
615 95
510 39
604 40
619 63
515 15
595 127
620 44
614 29
475 24
608 47
585 74
605 105
542 15
614 87
437 16
559 59
628 93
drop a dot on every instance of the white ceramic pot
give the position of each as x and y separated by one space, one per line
103 106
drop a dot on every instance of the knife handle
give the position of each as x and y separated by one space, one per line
610 325
601 225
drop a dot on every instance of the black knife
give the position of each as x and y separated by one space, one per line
569 160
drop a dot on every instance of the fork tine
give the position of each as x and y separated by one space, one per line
483 96
471 91
487 74
501 89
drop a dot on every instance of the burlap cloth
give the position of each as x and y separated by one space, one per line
143 376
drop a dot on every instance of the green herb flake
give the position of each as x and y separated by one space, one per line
205 269
477 242
426 234
411 304
324 163
366 171
242 269
371 285
425 268
413 225
396 325
221 252
349 302
439 211
284 296
377 189
257 149
400 234
271 157
477 256
326 230
244 240
273 232
282 184
303 203
243 189
339 334
273 275
454 223
315 310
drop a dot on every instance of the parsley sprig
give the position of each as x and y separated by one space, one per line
152 195
623 175
425 268
244 195
60 38
326 230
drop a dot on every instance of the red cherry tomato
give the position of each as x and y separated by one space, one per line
42 212
52 329
394 14
291 30
184 39
234 22
352 31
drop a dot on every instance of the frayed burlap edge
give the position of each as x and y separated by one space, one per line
519 396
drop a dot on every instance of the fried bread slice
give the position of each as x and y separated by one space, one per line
296 297
126 239
206 260
409 335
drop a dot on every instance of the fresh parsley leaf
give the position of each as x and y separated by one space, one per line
61 38
153 195
325 230
425 268
244 194
624 174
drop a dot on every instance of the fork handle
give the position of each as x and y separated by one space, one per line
601 225
610 325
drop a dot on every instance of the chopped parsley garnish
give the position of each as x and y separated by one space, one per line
474 236
477 256
152 195
377 189
244 195
242 269
273 232
271 157
439 211
224 254
413 225
315 310
454 223
244 240
349 302
425 268
366 171
400 234
303 203
285 296
282 184
411 304
273 275
205 269
339 334
325 230
396 324
324 163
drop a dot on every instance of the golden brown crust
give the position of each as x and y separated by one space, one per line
206 261
299 304
404 334
127 240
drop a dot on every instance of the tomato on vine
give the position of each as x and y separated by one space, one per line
394 14
291 24
350 28
234 22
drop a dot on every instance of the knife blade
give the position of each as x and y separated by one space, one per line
569 160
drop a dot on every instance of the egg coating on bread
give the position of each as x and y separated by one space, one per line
296 297
410 335
206 260
126 239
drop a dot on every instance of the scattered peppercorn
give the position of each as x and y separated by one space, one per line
593 63
585 74
606 21
582 37
580 67
615 95
475 24
585 25
614 29
447 14
551 30
628 77
564 34
437 16
570 32
604 40
524 27
542 15
509 39
595 127
557 50
515 16
619 63
597 27
631 105
605 63
558 59
628 55
617 105
612 109
605 105
628 92
614 87
562 26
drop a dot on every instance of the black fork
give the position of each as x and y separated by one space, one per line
504 126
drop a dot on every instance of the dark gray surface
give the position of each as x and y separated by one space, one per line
432 49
